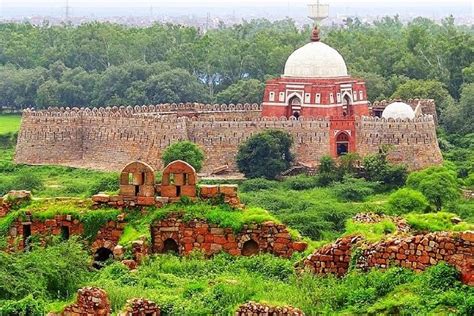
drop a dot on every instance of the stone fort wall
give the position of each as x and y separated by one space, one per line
108 138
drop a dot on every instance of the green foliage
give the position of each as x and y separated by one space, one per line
257 184
440 221
459 118
407 200
243 91
352 189
301 182
265 154
426 89
94 220
440 278
438 184
25 306
54 272
186 151
104 183
378 169
372 232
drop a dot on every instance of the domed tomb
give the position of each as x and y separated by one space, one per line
398 110
315 60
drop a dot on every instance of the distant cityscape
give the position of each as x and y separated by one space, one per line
210 18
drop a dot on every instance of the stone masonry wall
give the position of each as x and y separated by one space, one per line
42 230
198 234
414 141
90 301
108 138
419 252
257 309
415 252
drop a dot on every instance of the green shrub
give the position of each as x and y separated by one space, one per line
105 183
370 231
440 277
257 184
438 185
27 181
407 200
301 182
440 221
352 189
265 155
25 306
378 169
186 151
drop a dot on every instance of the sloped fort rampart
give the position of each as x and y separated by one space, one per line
108 138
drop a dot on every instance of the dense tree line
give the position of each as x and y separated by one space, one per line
99 64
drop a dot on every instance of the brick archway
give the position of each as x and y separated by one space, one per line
294 106
343 141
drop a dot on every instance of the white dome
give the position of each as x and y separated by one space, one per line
398 110
315 60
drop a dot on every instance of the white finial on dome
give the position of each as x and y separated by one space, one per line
398 110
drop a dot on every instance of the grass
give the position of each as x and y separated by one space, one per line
372 232
9 123
432 222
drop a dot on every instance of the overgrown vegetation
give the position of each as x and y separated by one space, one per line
192 285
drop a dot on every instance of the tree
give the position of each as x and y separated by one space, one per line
459 118
265 155
407 200
186 151
428 89
438 185
377 168
244 91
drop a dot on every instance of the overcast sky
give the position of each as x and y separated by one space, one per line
225 3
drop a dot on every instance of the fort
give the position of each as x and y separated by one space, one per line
108 138
325 110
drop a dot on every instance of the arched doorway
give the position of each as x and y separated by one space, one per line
170 245
101 256
250 248
347 106
295 106
342 144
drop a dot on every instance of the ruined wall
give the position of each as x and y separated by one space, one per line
414 141
258 309
421 251
415 252
108 138
90 301
174 234
40 230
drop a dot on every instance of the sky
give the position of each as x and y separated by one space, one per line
224 3
252 8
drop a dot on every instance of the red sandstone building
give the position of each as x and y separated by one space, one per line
315 83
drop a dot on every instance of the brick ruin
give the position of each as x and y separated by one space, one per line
258 309
138 187
108 138
90 301
141 307
175 235
414 252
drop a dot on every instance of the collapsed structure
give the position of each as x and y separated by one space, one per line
324 109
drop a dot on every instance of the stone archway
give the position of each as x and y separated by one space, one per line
250 248
170 245
342 144
101 256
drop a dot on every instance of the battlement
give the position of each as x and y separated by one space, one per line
108 137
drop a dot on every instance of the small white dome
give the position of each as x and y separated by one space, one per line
315 60
398 110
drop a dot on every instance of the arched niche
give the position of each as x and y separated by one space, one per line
250 248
